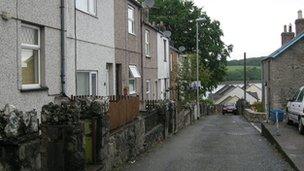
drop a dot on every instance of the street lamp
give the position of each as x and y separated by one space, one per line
197 66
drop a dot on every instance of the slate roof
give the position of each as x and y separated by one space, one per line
285 47
253 94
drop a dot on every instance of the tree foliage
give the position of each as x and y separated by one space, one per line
179 17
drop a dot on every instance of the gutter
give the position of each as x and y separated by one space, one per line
62 44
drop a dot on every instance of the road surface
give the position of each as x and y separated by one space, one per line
215 142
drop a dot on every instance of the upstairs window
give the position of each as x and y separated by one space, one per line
165 50
147 43
30 56
88 6
131 24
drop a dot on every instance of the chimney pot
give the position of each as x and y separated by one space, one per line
300 15
287 36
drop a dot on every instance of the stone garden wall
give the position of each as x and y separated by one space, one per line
253 116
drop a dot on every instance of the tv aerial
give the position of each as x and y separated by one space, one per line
167 34
182 48
148 3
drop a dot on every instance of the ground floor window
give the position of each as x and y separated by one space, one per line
133 74
148 88
86 83
132 86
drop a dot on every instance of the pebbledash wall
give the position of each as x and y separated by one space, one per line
127 45
150 63
47 19
93 37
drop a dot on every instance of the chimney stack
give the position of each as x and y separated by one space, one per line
287 36
299 23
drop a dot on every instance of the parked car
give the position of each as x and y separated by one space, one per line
229 108
295 110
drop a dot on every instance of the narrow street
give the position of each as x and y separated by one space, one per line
215 142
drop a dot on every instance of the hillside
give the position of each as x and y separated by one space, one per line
235 69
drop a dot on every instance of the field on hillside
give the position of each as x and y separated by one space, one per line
236 73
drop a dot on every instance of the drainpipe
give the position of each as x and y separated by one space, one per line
142 52
62 44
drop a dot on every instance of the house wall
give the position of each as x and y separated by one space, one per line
286 75
254 88
174 74
163 72
48 19
127 46
150 64
94 36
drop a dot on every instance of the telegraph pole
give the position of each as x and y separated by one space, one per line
245 76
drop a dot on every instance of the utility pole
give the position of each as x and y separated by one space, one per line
245 77
197 73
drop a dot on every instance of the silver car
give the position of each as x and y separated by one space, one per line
295 110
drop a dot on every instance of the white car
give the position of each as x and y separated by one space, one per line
295 110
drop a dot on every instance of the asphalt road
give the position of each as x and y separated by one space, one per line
213 143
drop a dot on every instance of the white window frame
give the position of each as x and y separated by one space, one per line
90 81
88 7
32 47
148 88
132 20
147 43
135 87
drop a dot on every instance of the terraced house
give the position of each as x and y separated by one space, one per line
90 47
128 47
30 52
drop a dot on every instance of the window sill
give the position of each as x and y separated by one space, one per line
92 15
132 93
133 34
25 90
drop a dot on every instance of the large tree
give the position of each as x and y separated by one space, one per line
179 17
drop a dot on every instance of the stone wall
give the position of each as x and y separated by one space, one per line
283 76
253 116
19 140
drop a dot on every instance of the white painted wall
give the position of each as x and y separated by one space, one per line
238 92
255 88
163 71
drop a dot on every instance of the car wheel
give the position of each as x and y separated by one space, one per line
301 127
223 113
289 122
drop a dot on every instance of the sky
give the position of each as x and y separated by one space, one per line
252 26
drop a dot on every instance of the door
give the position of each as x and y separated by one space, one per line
118 80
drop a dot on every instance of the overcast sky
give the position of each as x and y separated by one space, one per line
252 26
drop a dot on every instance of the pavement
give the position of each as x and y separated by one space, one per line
215 142
289 142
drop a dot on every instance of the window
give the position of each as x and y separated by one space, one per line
148 88
30 56
86 83
132 86
147 43
131 23
133 74
88 6
165 50
300 97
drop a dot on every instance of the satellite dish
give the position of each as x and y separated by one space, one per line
149 3
182 48
167 34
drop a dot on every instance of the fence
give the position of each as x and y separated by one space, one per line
122 110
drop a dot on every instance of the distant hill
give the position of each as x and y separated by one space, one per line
249 61
235 69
